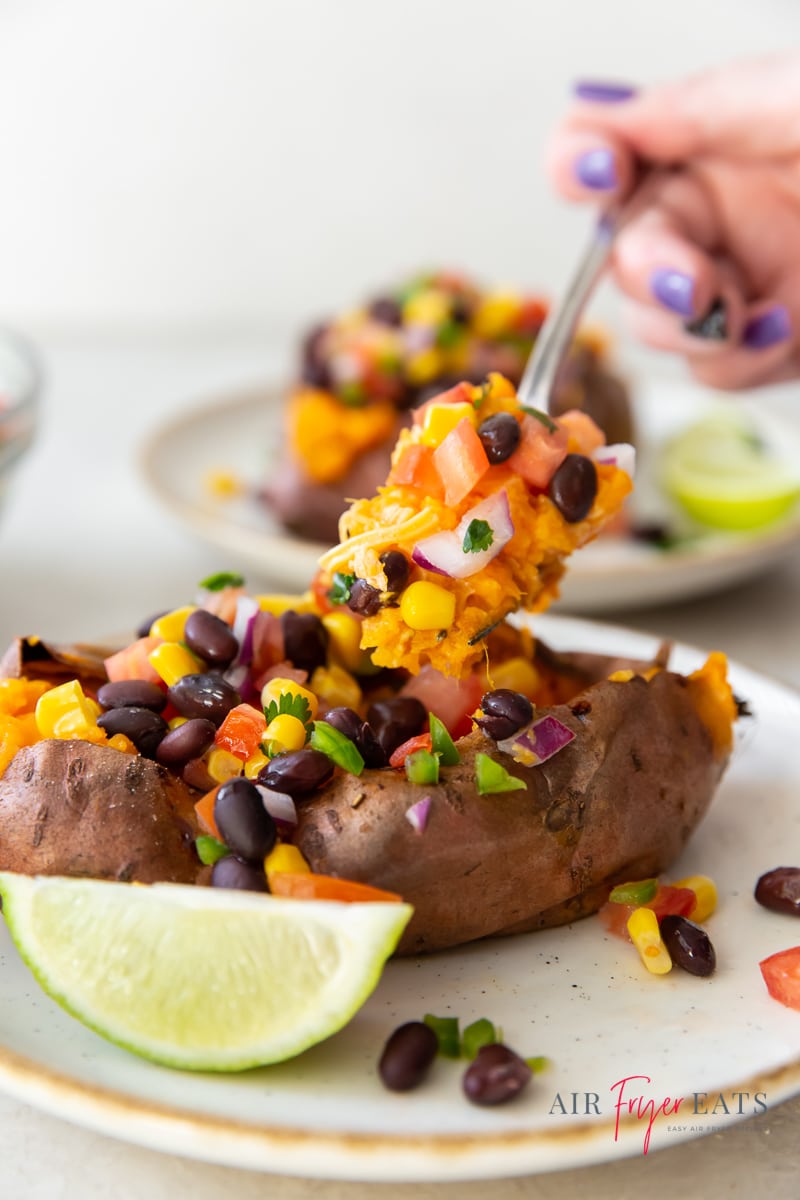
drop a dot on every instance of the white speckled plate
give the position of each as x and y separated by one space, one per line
241 434
573 994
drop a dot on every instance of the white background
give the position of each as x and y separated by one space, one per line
209 166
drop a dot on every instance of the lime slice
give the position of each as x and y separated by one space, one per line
200 978
725 477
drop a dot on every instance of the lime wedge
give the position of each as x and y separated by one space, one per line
200 978
725 477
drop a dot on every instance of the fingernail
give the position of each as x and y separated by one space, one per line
713 325
768 328
603 93
674 290
596 170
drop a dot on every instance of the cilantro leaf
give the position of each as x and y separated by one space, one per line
223 579
292 705
479 536
549 425
340 592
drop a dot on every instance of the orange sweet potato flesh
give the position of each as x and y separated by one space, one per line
618 803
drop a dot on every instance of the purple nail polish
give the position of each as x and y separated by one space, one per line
596 170
603 93
768 328
674 290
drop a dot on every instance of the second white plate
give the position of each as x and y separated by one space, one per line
242 434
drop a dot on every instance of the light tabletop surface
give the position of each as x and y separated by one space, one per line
86 551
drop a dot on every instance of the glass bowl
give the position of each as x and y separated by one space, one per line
20 382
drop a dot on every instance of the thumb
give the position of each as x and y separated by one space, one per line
741 110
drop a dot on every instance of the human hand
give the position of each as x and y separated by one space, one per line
721 224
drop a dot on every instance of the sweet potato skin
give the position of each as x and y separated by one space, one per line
73 808
618 803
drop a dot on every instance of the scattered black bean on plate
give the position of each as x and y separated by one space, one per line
407 1056
779 890
495 1076
688 944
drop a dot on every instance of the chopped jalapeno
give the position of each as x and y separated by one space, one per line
337 747
442 744
422 767
480 1033
446 1030
490 777
209 850
640 892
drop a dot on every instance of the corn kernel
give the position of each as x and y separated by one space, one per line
273 689
517 674
176 722
65 712
336 687
496 314
423 367
430 306
706 892
171 625
441 419
344 632
623 676
281 602
425 605
282 858
222 766
646 937
288 731
255 763
223 485
172 661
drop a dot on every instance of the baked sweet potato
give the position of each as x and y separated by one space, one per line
619 802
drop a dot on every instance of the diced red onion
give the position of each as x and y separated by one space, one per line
620 454
280 806
247 609
444 553
236 676
538 742
417 814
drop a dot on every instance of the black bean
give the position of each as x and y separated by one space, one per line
504 712
204 695
305 640
395 720
233 872
243 821
314 364
351 725
407 1056
396 568
144 727
573 487
298 772
689 946
210 637
496 1075
499 435
186 741
779 890
131 693
364 598
386 310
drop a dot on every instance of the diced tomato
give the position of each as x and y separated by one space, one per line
223 603
204 810
308 886
461 461
668 901
132 662
460 394
415 468
586 435
421 742
241 731
320 587
539 452
449 698
531 315
781 974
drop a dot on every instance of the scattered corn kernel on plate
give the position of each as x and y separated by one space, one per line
206 467
635 1060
